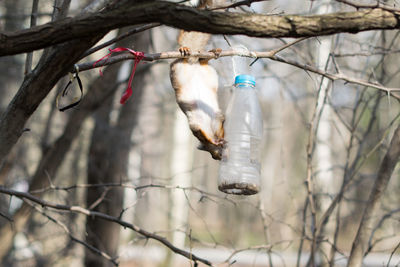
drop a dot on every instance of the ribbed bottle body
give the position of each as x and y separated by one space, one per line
240 165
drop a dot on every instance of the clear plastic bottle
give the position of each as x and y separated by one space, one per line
240 167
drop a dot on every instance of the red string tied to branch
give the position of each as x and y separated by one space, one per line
138 57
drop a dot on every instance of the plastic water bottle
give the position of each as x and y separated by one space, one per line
240 167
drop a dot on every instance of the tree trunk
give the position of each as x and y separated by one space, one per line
55 154
10 67
324 160
54 63
108 162
181 164
386 169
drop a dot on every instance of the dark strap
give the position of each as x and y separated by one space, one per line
65 92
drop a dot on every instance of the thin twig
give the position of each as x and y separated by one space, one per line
8 218
391 254
259 247
23 16
29 56
120 37
100 199
379 225
303 232
133 187
309 182
263 215
287 45
238 4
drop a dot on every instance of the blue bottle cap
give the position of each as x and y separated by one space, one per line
244 78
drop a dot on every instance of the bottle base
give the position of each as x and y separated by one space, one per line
239 188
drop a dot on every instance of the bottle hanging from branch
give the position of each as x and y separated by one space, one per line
240 167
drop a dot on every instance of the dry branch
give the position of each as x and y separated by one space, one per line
78 209
189 18
29 56
120 37
253 54
35 88
53 64
72 237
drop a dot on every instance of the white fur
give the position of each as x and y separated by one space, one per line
199 85
193 3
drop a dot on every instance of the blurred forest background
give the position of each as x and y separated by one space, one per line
324 140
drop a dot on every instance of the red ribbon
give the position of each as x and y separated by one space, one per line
138 57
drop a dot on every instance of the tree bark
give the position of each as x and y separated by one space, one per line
181 163
54 63
386 169
10 75
35 88
108 162
53 157
190 19
10 67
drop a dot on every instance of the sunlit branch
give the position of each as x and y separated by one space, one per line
252 54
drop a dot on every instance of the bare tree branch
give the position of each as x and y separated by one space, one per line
35 88
386 168
78 209
189 18
120 37
29 56
54 64
253 54
72 237
133 187
391 254
239 3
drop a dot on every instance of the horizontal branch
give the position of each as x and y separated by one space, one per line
203 193
253 54
189 18
78 209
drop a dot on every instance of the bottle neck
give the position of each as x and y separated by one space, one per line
244 85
